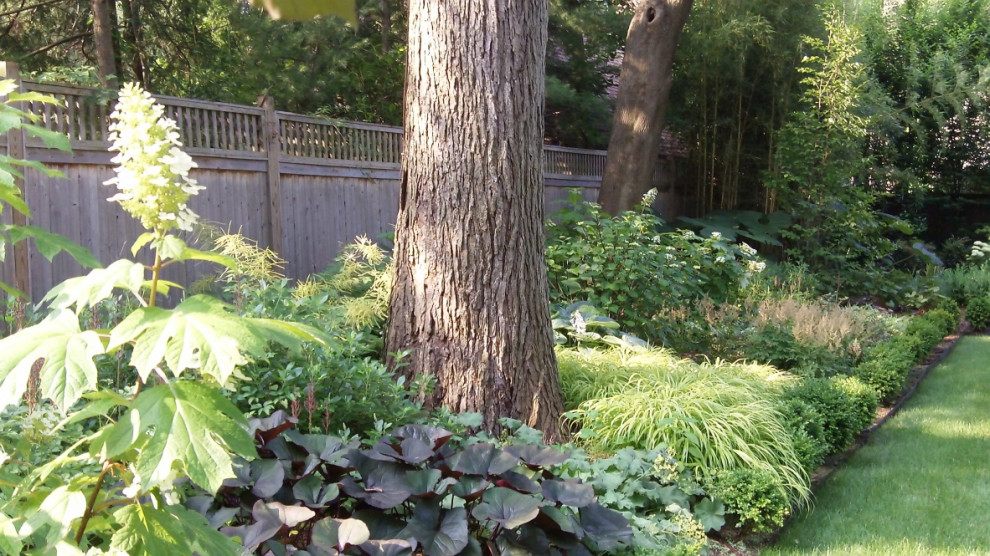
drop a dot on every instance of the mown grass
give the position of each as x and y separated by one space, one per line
922 484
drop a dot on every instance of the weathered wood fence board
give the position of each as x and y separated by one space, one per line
301 185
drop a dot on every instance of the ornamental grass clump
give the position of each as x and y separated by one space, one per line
713 417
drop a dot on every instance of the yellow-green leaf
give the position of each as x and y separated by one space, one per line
68 370
181 422
88 290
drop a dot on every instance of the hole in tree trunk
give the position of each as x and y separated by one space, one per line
651 14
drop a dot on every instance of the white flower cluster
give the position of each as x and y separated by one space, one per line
980 250
152 170
649 197
746 248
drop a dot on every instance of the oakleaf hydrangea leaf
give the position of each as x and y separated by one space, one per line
185 422
68 370
200 333
167 530
86 291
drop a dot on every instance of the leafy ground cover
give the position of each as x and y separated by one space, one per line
921 485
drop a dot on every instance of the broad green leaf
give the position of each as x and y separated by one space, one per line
140 242
32 96
506 507
50 244
68 370
710 513
11 291
99 404
167 530
59 510
185 422
439 532
86 291
10 542
175 248
52 139
200 333
330 533
10 194
300 10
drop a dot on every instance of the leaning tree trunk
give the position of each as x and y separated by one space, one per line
641 106
469 298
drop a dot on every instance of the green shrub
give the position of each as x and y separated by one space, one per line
753 495
885 366
864 399
711 417
804 422
945 320
776 345
929 330
841 415
626 266
978 313
966 282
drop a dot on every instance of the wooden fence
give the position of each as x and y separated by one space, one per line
300 185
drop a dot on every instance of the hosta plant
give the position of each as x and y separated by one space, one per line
115 489
417 490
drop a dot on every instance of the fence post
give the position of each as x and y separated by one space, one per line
16 149
273 148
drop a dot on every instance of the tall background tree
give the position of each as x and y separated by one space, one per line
641 107
469 298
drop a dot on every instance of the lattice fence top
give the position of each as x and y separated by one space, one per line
218 128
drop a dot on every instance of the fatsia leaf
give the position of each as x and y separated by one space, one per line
167 530
189 423
86 291
68 370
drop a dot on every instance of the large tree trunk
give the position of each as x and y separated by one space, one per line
106 63
470 292
641 106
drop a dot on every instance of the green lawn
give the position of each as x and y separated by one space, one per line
922 484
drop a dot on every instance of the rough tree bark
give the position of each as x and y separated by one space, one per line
106 64
470 292
641 106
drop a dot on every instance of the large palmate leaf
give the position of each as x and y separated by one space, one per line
58 511
167 530
68 370
201 333
50 244
88 290
185 422
10 542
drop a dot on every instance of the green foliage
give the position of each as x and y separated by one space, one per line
885 366
580 324
171 423
777 346
842 409
626 267
47 243
754 496
417 489
965 282
978 313
711 417
667 509
819 154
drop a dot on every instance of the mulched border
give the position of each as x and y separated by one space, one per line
726 543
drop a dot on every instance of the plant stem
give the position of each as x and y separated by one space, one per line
155 271
88 514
